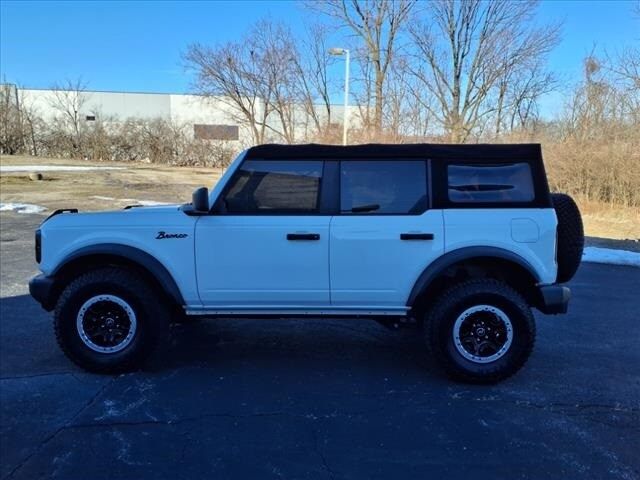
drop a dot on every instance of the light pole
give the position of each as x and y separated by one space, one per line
338 52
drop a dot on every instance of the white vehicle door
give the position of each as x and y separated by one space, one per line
266 245
385 234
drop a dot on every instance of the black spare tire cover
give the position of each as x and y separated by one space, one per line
570 236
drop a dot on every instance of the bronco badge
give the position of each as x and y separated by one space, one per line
163 235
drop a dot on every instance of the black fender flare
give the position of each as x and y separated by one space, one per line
466 253
133 255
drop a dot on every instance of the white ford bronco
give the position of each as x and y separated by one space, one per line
460 240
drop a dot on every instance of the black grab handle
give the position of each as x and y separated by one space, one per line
416 236
303 236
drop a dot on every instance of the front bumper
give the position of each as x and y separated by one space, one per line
553 299
42 289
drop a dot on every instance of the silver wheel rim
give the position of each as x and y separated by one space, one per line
482 333
118 316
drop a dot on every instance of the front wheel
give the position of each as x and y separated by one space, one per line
480 331
110 320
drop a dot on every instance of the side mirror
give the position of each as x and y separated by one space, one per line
200 199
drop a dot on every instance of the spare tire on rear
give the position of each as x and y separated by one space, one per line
570 236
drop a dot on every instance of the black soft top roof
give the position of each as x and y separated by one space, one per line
530 152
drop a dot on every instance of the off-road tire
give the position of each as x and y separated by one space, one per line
441 317
151 313
570 236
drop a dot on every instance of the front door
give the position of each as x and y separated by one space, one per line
266 247
385 234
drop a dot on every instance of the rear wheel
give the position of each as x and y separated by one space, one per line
110 320
480 331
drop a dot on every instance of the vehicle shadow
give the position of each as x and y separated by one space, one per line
28 345
317 343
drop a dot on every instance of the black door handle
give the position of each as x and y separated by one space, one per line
303 236
416 236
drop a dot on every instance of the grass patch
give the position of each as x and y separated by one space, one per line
22 180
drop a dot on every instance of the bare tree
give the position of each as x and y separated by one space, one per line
232 73
255 77
11 124
403 115
68 100
275 47
605 105
626 66
365 96
518 92
465 49
377 23
622 70
33 125
313 79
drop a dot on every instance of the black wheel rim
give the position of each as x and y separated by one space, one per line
482 333
106 323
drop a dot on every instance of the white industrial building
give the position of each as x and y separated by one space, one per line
211 117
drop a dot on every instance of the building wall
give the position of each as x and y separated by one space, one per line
197 109
104 104
186 109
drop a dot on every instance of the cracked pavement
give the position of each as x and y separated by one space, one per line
334 399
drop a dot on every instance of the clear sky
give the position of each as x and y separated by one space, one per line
136 46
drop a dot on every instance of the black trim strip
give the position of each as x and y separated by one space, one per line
416 236
38 245
473 153
303 236
61 210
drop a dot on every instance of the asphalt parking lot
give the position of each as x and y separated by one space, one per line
320 399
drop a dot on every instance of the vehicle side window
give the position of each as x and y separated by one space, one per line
383 187
490 183
268 187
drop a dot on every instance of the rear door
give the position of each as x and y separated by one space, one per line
267 244
385 234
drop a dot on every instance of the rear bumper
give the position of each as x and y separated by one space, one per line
553 299
41 288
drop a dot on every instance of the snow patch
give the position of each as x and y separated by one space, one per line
52 168
113 410
100 197
124 450
151 203
133 201
609 255
21 208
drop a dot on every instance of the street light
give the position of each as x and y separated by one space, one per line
338 52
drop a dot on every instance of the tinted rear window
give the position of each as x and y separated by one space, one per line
383 187
490 183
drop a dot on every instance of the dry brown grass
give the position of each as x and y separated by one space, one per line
79 189
610 221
